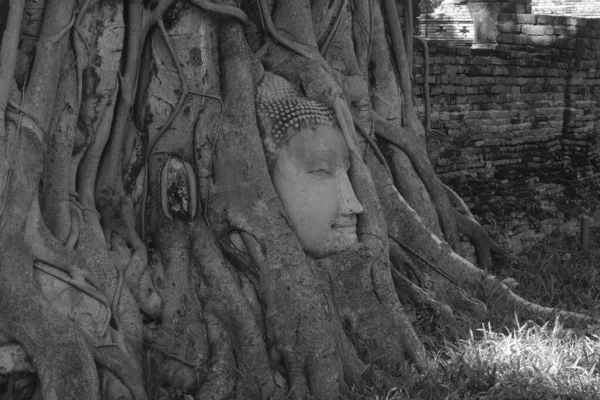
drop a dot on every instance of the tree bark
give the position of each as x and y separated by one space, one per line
144 250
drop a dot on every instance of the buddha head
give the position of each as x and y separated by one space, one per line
308 161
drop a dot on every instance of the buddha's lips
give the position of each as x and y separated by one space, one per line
344 223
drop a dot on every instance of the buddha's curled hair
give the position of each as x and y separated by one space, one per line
282 111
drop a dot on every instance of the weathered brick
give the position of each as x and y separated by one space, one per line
534 30
525 19
505 38
497 70
545 19
506 17
581 22
540 40
509 27
481 61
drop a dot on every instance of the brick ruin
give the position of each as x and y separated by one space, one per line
451 21
516 129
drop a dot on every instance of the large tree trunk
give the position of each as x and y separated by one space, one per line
145 252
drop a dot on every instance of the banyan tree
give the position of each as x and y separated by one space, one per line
222 200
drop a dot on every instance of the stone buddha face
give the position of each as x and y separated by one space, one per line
308 159
311 178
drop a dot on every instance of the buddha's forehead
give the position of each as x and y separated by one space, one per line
317 138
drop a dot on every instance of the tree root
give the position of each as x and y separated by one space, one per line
58 212
408 29
413 346
373 235
336 24
386 101
60 350
404 222
50 52
292 45
397 137
47 250
167 124
77 40
124 362
116 212
457 202
204 164
136 275
173 356
117 363
178 358
399 52
57 36
76 224
373 146
182 331
38 125
484 245
184 88
319 371
53 342
93 254
399 258
405 227
220 381
84 288
422 258
223 10
116 300
9 44
29 123
88 169
419 296
468 226
499 296
223 297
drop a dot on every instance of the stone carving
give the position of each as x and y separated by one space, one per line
308 160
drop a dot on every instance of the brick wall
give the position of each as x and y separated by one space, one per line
550 32
518 128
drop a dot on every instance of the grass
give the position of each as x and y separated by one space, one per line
512 357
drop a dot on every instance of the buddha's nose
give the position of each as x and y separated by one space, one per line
349 204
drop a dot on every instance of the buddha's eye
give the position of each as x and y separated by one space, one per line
320 163
322 171
320 167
